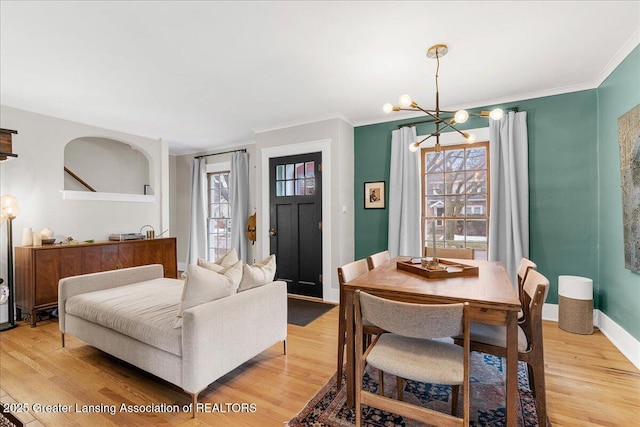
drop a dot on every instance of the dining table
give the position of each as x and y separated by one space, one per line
491 295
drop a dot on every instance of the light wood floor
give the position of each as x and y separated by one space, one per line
589 382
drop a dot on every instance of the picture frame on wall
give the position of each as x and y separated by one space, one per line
374 196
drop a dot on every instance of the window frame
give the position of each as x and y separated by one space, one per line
441 219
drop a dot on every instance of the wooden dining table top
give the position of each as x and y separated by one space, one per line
491 288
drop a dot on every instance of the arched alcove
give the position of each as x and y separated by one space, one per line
106 166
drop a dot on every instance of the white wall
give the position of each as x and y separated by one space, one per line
36 179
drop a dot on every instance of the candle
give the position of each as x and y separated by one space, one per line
434 238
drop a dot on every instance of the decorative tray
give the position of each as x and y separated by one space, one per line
445 269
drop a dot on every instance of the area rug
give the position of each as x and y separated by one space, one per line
487 404
302 312
7 419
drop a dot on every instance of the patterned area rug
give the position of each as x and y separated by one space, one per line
487 404
7 419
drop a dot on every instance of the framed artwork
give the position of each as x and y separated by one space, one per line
629 139
374 195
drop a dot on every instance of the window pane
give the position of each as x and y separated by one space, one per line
299 187
299 170
476 205
434 183
310 169
454 182
289 190
280 172
434 206
454 205
311 187
454 160
454 233
476 233
289 173
280 188
434 162
476 158
218 223
477 181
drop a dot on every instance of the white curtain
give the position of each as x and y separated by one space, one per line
404 195
238 199
197 247
509 223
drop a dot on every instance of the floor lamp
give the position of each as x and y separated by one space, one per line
9 210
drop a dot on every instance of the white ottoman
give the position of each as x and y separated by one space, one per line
575 300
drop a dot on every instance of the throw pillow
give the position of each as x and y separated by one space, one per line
204 285
225 260
258 274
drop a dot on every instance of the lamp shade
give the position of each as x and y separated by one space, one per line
9 207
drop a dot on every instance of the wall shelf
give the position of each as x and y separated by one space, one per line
107 197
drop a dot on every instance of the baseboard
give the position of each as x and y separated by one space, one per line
621 339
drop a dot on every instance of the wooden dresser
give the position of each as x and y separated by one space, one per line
39 268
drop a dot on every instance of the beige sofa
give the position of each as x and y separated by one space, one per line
130 314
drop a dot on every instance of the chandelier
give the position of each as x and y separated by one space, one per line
443 119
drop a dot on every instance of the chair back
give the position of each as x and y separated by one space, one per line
350 271
460 253
524 267
424 321
378 259
536 289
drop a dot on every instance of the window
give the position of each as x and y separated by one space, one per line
296 179
219 217
456 197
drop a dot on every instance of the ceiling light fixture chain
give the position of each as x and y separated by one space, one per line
450 118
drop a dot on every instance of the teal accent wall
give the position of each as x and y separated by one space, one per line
575 216
619 289
563 183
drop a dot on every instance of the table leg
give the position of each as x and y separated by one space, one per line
350 371
512 368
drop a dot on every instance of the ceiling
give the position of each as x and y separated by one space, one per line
206 75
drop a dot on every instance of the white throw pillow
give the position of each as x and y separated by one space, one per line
226 260
258 274
203 285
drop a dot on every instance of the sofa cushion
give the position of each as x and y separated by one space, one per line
226 260
144 311
258 274
204 285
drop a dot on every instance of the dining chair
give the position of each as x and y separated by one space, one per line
347 273
461 253
378 259
411 350
492 339
524 267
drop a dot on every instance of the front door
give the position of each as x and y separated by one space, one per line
295 195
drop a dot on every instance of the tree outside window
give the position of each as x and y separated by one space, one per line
456 197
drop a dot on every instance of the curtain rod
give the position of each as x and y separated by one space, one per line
243 150
406 125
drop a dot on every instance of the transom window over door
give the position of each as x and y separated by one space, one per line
219 216
455 190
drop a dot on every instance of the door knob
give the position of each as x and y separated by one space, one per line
272 232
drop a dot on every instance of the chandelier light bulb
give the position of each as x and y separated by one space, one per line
414 147
469 137
387 108
496 114
9 206
405 101
461 116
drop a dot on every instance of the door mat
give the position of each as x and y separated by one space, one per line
302 312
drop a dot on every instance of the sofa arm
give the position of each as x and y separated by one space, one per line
221 335
75 285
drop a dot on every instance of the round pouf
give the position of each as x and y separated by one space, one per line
575 300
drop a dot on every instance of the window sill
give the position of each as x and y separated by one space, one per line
107 197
